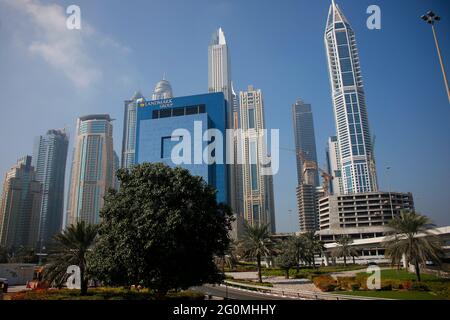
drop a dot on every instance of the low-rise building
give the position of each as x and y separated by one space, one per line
361 215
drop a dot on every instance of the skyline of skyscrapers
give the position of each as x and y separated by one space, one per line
49 160
352 125
92 168
349 154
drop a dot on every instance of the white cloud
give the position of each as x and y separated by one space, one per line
64 49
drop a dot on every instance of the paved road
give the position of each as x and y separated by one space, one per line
235 294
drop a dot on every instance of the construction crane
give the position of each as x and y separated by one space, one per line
309 165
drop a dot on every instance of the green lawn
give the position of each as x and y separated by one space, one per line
400 295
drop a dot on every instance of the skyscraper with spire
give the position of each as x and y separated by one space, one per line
354 141
219 80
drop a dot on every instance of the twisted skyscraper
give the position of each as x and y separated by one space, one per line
352 125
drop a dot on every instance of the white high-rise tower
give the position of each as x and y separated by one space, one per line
352 125
219 80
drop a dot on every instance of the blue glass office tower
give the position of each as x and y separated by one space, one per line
354 141
156 125
305 139
49 161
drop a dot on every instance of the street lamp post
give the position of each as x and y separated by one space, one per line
430 17
390 193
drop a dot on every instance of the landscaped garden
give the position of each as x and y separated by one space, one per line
102 294
395 284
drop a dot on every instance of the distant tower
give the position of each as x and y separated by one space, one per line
334 166
219 80
163 90
305 140
20 206
129 130
257 194
49 161
353 135
92 168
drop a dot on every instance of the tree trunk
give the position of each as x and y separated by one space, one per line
313 261
353 260
345 261
83 281
416 266
287 273
258 261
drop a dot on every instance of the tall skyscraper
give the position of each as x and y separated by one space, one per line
334 166
258 195
353 135
20 206
92 168
219 69
219 80
49 161
307 167
129 130
305 139
238 181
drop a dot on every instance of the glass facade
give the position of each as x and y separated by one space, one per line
305 140
158 132
49 161
353 134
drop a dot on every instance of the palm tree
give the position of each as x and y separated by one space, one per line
404 241
298 245
313 245
344 248
73 245
256 243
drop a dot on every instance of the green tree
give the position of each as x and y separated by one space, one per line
344 248
287 259
256 243
161 230
71 248
404 241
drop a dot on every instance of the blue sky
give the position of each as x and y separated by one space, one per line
50 75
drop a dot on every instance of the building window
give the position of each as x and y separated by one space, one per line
255 212
165 113
253 166
251 118
167 145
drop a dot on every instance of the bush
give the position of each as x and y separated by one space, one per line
419 286
406 285
302 275
355 286
346 282
325 283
